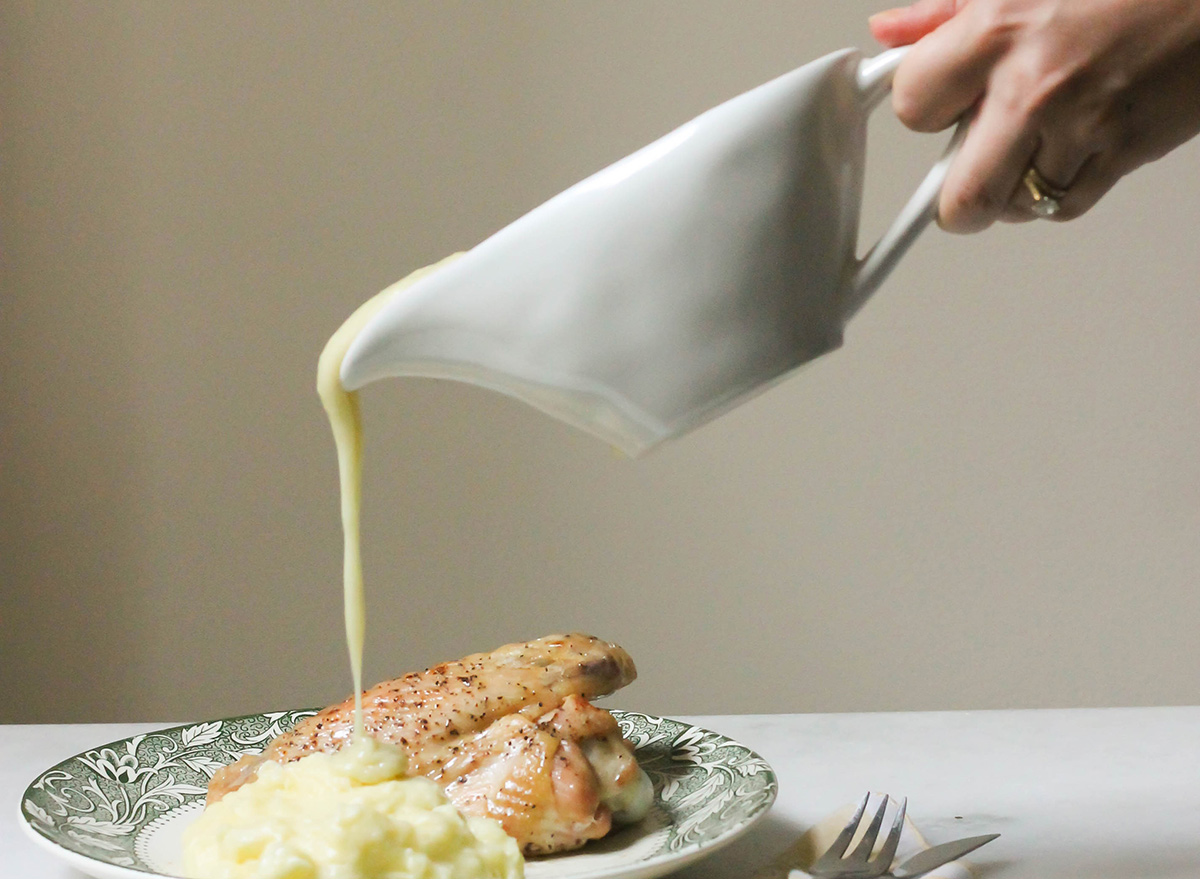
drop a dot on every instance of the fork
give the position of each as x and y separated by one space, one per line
836 864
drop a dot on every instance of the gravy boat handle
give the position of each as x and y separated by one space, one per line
874 80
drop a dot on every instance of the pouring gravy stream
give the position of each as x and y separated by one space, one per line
345 418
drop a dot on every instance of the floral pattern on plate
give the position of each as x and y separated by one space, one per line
119 809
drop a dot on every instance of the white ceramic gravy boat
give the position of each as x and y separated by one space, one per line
677 282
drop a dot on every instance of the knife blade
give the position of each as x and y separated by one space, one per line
931 858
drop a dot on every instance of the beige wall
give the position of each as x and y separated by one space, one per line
990 497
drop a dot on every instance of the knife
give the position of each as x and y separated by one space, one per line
931 858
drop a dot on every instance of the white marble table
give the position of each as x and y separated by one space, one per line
1084 794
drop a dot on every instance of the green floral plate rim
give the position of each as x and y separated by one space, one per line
118 811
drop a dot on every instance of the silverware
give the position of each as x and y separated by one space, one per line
836 864
931 858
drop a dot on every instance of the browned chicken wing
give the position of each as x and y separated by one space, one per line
508 734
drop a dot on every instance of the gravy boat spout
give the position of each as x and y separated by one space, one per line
677 282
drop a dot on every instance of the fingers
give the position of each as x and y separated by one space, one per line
986 182
1092 181
905 25
983 178
1084 92
1059 160
1093 185
946 73
1086 151
968 65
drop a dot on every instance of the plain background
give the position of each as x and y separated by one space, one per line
989 498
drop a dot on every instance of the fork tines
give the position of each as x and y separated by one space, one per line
836 864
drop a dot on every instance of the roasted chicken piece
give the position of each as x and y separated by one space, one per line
553 784
509 734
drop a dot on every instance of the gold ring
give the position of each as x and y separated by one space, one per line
1047 199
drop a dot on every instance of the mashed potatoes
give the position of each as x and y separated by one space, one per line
349 815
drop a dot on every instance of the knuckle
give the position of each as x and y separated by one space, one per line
1046 86
1099 181
1029 89
913 112
1098 119
969 207
996 26
991 23
1115 86
1093 132
1118 133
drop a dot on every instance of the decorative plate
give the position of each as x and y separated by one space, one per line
119 810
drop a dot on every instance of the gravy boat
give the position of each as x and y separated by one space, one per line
677 282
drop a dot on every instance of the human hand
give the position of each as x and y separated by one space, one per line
1085 91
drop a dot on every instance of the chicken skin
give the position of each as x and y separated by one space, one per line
508 734
554 784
